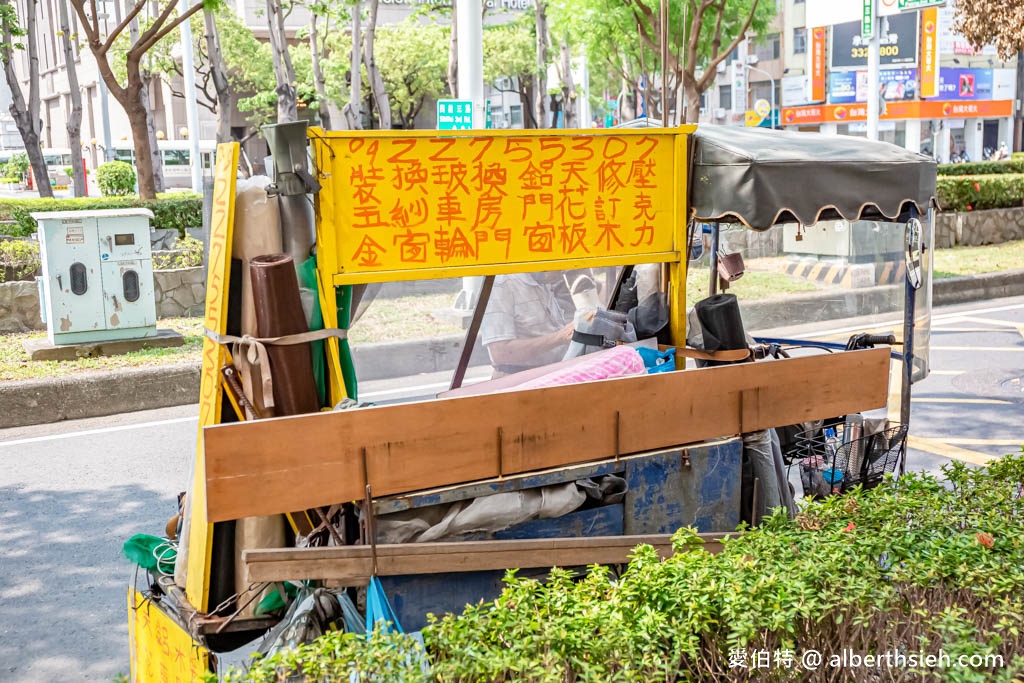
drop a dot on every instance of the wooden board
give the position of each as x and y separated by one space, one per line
264 467
353 565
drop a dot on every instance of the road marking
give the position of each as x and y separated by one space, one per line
993 321
101 430
983 442
936 320
977 348
954 330
973 401
946 450
946 372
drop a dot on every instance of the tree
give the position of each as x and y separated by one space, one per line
509 52
540 89
284 72
992 22
75 118
218 73
413 62
131 94
380 95
26 114
624 37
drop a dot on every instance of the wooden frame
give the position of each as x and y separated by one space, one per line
293 463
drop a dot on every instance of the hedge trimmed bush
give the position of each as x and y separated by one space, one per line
116 178
171 211
972 193
19 260
913 566
1011 165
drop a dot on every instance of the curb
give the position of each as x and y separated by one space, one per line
97 394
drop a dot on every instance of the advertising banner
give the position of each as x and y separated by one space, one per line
852 86
966 84
898 43
929 53
916 109
818 64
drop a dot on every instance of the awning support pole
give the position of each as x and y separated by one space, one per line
713 260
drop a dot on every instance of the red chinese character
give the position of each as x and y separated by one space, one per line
449 209
367 217
608 234
490 179
368 253
410 215
644 207
449 245
641 172
535 178
572 172
644 235
452 177
572 238
599 208
571 211
412 175
545 200
540 238
608 179
504 235
488 208
412 246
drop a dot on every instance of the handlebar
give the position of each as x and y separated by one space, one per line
887 339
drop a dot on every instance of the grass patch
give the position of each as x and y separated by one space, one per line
15 364
992 258
404 318
755 285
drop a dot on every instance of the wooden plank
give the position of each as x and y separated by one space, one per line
353 565
264 467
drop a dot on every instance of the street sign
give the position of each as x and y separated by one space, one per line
913 5
867 22
763 108
454 114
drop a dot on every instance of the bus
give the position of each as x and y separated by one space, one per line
177 156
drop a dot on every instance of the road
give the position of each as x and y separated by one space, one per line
72 492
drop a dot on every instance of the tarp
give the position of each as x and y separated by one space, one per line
760 177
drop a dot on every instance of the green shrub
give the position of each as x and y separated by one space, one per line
116 178
972 193
913 566
171 211
17 166
19 260
983 167
190 255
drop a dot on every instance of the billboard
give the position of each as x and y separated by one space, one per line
852 86
899 43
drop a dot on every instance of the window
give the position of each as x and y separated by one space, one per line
126 155
176 157
800 41
768 49
515 115
725 96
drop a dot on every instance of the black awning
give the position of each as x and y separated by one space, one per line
760 177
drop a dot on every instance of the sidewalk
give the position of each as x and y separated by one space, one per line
96 394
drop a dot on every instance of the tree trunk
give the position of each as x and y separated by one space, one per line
380 95
453 53
26 115
75 120
139 119
692 104
319 83
156 161
218 72
284 72
568 89
540 82
353 110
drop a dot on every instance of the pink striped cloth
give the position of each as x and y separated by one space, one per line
620 361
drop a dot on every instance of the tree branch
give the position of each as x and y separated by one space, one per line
112 36
712 66
147 43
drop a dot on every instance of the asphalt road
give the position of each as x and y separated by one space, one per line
72 492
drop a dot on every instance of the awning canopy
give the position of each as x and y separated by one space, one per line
760 177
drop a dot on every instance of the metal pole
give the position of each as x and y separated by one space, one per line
713 260
771 117
909 315
191 107
873 74
471 56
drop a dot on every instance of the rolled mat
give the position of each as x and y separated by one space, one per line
721 324
275 289
620 361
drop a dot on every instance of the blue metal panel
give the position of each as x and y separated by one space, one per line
698 487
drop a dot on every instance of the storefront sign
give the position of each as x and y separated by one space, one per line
977 84
818 64
160 651
895 111
454 114
929 53
867 20
852 86
794 90
898 43
913 5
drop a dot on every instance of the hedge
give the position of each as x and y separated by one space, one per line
171 211
983 167
972 193
918 566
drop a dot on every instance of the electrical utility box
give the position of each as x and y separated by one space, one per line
97 282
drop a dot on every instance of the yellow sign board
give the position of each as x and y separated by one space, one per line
442 206
161 652
222 219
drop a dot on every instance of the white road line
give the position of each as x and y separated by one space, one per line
101 430
946 372
935 319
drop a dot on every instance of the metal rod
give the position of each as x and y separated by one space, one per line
371 532
471 334
713 260
909 314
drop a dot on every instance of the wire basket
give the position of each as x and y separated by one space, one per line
832 465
